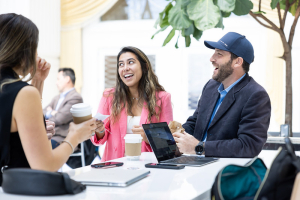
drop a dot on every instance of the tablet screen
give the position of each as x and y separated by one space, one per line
161 140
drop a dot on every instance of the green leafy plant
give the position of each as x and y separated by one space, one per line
192 17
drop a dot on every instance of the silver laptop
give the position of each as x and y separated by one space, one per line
117 177
165 149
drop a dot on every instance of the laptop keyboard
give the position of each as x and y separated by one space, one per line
184 159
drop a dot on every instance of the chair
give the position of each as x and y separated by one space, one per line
81 153
87 154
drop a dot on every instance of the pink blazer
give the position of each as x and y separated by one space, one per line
115 143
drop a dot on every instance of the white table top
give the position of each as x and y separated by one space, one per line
187 183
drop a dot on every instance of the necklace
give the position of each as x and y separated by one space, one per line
135 98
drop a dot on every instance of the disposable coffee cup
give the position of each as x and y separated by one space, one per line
81 112
133 146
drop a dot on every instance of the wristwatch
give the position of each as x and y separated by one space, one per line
199 149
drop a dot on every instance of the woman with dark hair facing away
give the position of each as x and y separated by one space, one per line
137 99
23 139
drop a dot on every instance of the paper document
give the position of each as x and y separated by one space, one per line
101 117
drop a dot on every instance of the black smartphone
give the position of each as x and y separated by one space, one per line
105 165
164 166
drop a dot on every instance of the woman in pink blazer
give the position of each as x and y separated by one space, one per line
137 99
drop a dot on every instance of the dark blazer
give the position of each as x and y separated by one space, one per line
63 117
239 128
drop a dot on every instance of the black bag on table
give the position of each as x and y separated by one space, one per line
37 182
255 181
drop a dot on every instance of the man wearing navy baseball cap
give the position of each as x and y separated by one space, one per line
233 113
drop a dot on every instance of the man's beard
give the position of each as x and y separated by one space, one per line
223 72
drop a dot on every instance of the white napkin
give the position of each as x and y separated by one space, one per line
101 117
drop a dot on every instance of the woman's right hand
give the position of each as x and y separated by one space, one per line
83 131
100 126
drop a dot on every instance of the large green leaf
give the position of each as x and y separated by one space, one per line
176 45
294 7
188 31
197 34
169 37
157 22
274 3
282 5
220 23
187 41
224 14
242 7
184 3
162 29
226 5
178 18
163 17
204 13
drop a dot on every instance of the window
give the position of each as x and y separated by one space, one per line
135 10
200 71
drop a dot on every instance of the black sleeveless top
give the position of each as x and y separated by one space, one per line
11 151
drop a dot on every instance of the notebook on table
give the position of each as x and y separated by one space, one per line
165 149
116 177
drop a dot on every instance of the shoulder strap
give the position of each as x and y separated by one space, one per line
291 150
71 186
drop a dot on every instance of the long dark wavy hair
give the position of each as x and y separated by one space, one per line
18 45
147 88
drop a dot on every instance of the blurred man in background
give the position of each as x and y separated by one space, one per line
58 110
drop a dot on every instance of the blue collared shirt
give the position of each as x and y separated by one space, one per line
61 99
223 93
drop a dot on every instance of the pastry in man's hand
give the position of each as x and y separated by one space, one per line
176 127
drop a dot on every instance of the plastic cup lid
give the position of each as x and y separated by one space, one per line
133 138
81 109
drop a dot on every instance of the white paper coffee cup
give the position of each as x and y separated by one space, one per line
81 112
133 146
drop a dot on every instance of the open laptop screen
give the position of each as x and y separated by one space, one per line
161 140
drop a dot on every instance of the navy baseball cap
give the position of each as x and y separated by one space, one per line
234 43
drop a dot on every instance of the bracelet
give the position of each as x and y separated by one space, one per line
69 144
100 131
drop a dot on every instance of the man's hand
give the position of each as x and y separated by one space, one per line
49 109
53 112
50 129
140 130
185 142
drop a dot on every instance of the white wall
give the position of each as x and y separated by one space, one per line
46 15
107 38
